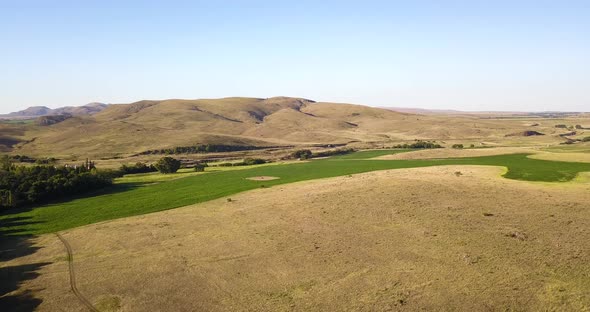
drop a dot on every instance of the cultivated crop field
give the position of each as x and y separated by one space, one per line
352 232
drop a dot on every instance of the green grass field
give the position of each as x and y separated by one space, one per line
139 196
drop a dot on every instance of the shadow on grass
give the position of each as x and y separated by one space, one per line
12 297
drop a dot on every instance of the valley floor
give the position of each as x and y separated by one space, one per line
458 237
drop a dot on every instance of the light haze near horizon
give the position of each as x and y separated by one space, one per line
464 55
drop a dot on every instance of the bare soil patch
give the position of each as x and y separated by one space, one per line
263 178
412 239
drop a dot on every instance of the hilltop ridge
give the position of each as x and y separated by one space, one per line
126 129
39 111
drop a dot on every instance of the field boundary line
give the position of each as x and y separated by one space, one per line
73 286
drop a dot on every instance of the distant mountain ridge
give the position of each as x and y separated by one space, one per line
426 111
38 111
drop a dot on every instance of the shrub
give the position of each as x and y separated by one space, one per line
459 146
342 151
200 167
586 139
253 161
137 168
168 165
302 154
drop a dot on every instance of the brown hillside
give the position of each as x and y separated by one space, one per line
124 129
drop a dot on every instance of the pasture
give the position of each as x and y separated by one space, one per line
154 192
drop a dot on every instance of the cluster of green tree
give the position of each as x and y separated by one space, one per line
458 146
586 139
302 154
22 185
251 161
137 168
200 167
419 144
205 148
167 165
306 154
341 151
245 162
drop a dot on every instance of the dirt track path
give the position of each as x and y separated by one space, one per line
73 286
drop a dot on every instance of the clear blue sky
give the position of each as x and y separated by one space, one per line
470 55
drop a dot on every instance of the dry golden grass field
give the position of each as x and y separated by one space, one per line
407 240
536 153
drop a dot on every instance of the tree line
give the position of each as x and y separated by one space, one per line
25 185
419 144
306 154
203 148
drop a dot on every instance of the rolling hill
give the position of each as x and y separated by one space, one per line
125 129
38 111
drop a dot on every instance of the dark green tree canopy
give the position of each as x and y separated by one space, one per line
168 165
302 154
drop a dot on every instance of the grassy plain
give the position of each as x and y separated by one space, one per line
144 196
413 239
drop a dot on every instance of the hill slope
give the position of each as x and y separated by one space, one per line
125 129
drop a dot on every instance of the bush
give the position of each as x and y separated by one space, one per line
586 139
459 146
168 165
137 168
253 161
342 151
200 167
302 154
